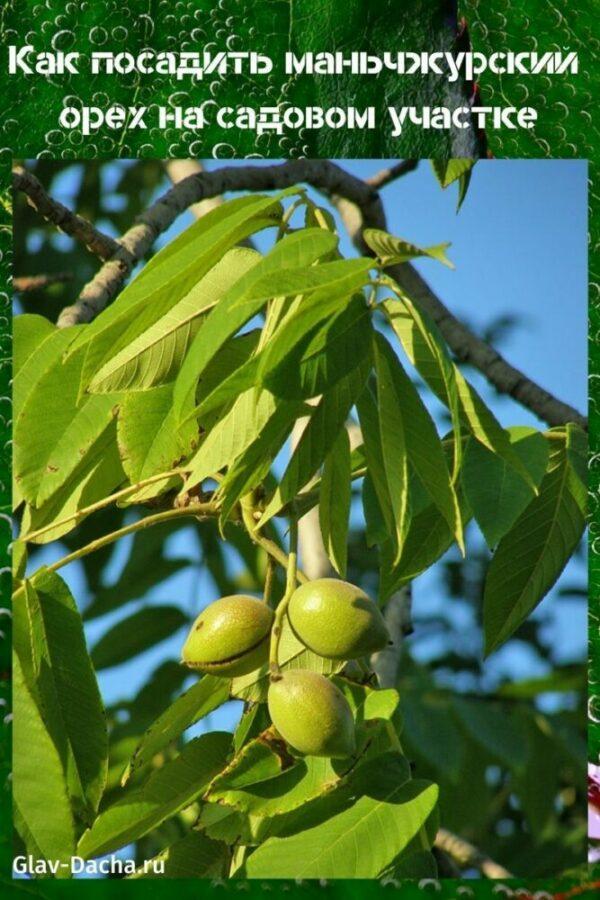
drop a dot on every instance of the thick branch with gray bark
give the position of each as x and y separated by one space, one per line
52 211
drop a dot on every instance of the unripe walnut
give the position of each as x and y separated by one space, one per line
336 619
230 637
311 714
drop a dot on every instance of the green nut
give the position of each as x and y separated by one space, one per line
311 714
336 619
230 637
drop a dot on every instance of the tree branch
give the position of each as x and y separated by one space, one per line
52 211
386 176
136 242
469 856
360 206
25 283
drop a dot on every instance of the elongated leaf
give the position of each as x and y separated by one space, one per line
96 477
137 633
368 415
449 170
253 465
66 684
392 250
44 405
150 440
577 452
304 362
531 556
342 846
53 434
334 503
426 350
194 856
292 655
296 342
428 353
29 331
486 429
167 791
317 439
429 724
155 356
495 492
171 274
202 698
405 422
39 785
427 539
231 435
245 299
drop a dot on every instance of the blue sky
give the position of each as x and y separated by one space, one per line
519 245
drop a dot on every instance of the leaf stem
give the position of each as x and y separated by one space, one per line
100 504
290 587
199 511
266 543
269 580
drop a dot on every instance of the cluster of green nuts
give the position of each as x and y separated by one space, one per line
333 618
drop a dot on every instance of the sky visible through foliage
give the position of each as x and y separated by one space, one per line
519 245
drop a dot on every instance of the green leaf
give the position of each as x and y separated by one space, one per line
280 272
427 351
531 556
200 700
427 539
392 250
96 477
150 440
486 429
154 356
194 856
448 171
264 780
39 785
29 331
406 423
65 683
317 439
292 655
495 492
297 349
577 452
44 407
168 790
384 804
170 275
252 466
495 730
429 726
376 531
231 436
334 502
371 428
136 633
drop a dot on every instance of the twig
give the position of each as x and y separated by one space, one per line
199 511
386 176
25 283
105 501
72 224
467 855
